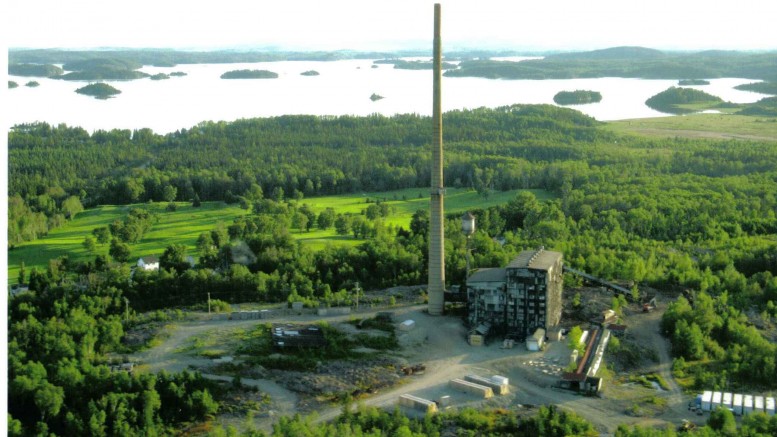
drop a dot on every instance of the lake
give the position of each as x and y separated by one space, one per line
342 88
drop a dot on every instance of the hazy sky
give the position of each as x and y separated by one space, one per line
390 25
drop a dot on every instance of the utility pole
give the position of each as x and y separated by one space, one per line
126 309
209 303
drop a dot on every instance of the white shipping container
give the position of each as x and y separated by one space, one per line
758 402
706 401
737 404
747 405
770 406
717 398
728 398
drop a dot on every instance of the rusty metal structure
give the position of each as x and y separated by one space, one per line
436 288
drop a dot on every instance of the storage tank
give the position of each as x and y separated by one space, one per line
728 399
706 401
770 406
758 404
747 405
737 404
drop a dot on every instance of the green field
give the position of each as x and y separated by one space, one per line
184 225
719 126
405 203
180 227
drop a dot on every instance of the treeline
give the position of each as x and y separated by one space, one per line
627 62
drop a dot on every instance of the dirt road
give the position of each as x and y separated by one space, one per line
439 343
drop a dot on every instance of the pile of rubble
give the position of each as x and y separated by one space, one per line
337 378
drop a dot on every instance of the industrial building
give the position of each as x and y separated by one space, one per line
518 299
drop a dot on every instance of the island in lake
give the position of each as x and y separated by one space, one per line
32 84
249 74
577 97
682 101
310 73
687 82
375 97
12 84
99 90
160 76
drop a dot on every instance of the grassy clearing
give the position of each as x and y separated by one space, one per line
405 203
184 225
720 126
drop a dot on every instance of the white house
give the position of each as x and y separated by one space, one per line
149 263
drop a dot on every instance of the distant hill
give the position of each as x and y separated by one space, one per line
624 52
632 62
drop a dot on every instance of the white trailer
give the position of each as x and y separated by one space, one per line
770 406
758 404
747 405
728 399
717 399
706 401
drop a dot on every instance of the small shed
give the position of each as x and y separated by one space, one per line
534 343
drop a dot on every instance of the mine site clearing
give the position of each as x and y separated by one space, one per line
431 353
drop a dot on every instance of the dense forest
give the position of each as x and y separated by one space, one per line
688 216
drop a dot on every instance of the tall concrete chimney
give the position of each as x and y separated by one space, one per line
436 288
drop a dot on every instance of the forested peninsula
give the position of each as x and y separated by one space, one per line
682 100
